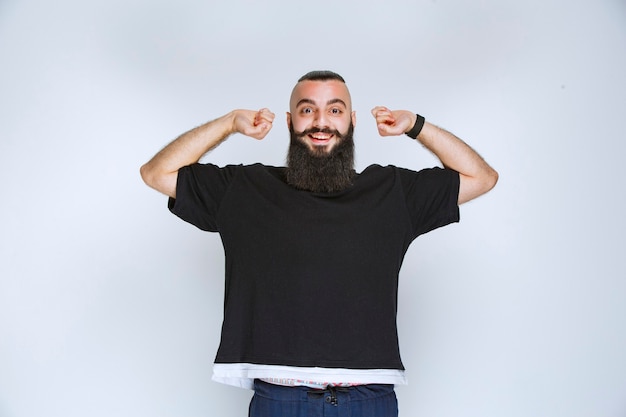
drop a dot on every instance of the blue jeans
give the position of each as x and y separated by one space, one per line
375 400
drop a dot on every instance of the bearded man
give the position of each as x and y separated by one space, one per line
313 250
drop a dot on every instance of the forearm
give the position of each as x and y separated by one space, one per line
161 171
477 177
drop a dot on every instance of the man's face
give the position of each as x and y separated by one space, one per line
320 112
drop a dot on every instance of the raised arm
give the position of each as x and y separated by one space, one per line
161 172
476 176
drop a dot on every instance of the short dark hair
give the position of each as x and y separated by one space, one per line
323 75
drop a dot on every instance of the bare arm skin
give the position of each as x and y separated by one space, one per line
476 176
161 172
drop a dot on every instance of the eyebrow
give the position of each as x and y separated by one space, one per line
331 101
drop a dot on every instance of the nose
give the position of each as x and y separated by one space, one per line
320 119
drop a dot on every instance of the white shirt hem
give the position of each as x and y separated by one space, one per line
242 375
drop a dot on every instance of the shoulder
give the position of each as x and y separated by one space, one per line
433 173
376 169
256 174
392 171
231 169
409 178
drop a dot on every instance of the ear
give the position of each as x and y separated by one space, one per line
288 120
353 116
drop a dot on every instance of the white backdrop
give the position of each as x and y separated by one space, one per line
111 306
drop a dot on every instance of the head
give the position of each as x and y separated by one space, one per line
320 106
321 122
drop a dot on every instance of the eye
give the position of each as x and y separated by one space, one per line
306 110
335 110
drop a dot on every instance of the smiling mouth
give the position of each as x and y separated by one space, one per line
319 138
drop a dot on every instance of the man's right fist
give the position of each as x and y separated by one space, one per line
255 124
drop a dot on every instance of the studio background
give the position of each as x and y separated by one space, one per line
111 306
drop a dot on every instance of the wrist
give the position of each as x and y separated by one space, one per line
230 122
414 132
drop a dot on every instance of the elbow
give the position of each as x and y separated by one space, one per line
144 171
162 182
488 181
473 187
149 175
492 179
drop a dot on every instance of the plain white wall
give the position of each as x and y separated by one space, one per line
111 306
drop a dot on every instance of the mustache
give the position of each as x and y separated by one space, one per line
319 130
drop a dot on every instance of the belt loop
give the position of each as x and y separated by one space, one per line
333 396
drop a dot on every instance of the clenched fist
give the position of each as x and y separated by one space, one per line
393 122
255 124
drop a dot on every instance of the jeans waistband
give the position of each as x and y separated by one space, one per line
301 393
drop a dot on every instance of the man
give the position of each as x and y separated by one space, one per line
313 250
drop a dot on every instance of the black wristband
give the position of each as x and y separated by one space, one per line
417 127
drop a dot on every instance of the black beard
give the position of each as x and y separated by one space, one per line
317 170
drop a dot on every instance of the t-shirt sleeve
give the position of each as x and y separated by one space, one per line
200 189
431 198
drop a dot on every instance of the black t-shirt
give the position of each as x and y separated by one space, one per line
312 278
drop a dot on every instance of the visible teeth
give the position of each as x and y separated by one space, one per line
320 136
